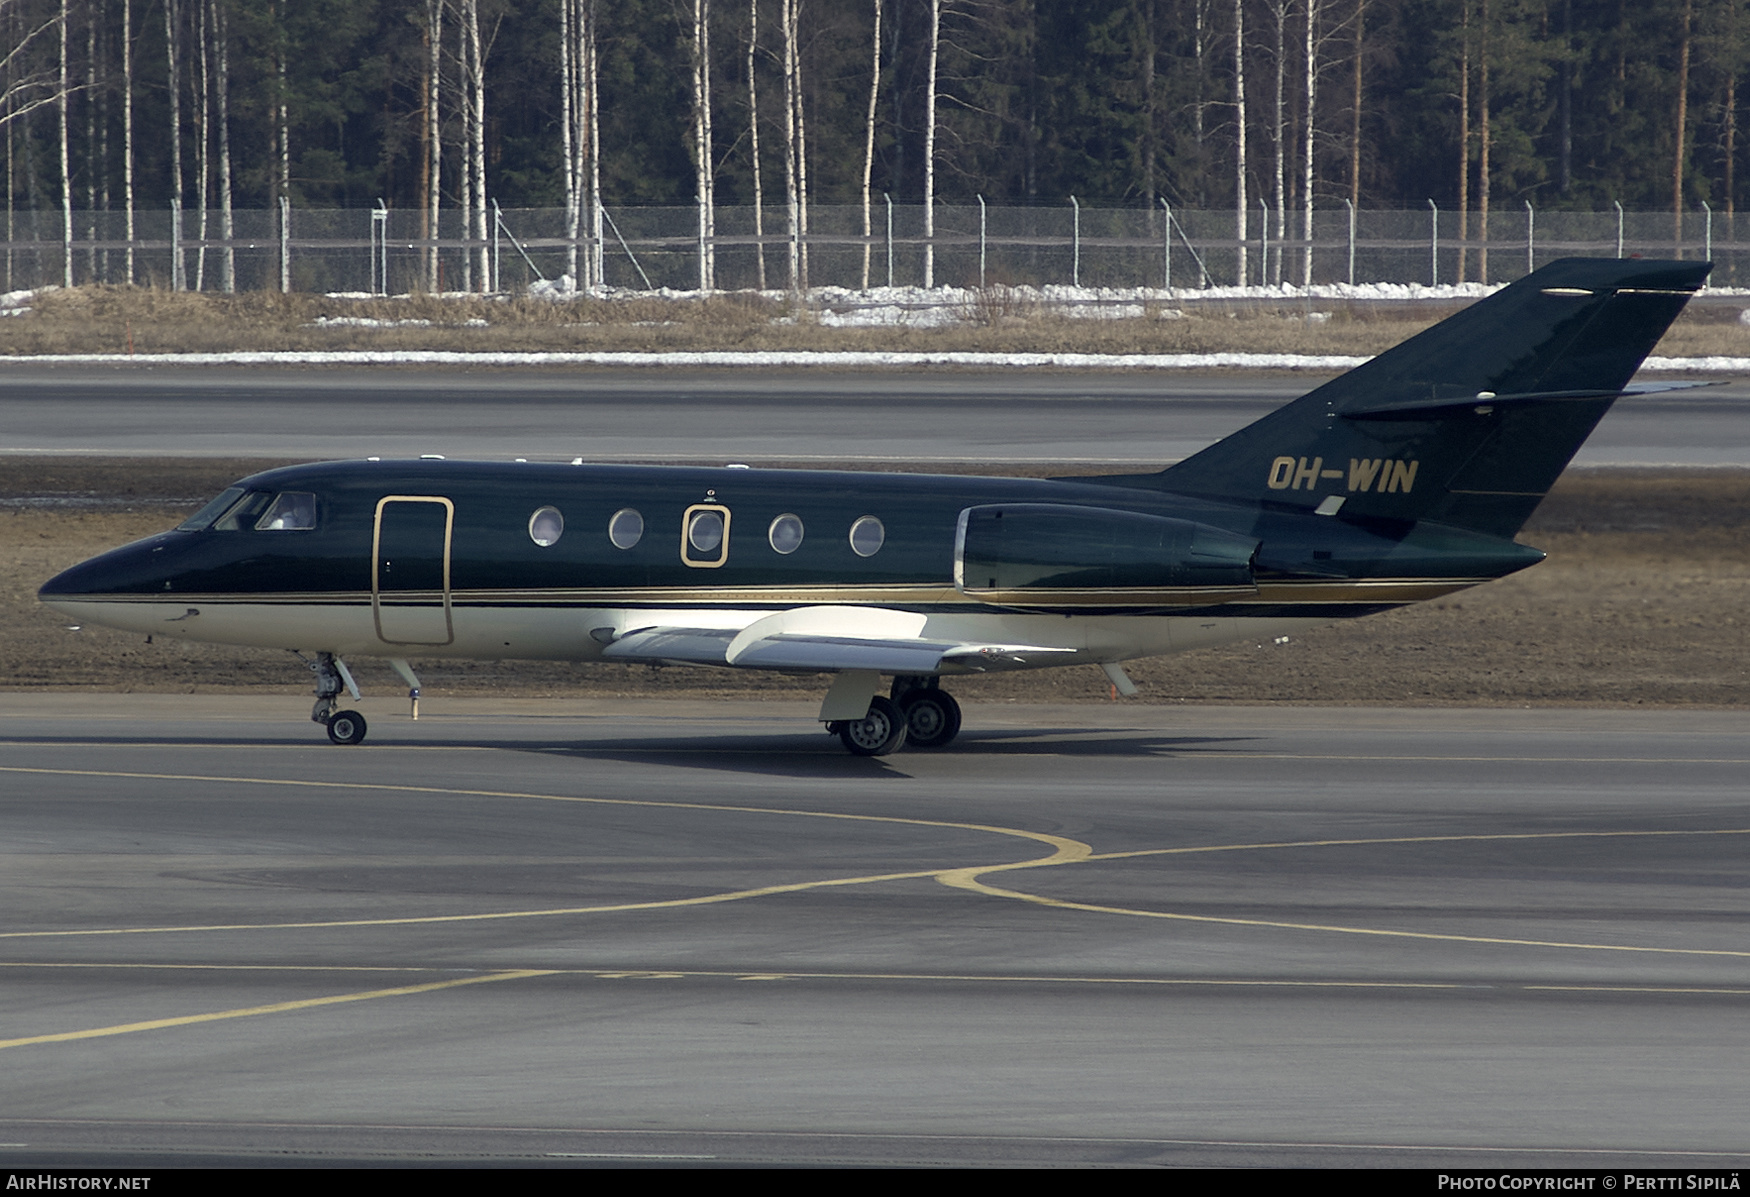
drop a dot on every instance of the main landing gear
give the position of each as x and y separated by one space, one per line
920 713
344 727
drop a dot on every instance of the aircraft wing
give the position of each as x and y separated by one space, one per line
831 639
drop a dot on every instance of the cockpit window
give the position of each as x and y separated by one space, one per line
212 511
292 511
244 512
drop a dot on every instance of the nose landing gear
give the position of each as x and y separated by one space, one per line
344 727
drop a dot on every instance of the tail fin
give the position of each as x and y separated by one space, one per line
1468 423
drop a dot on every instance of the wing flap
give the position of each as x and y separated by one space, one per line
828 639
687 646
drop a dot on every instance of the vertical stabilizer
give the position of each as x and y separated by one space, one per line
1468 423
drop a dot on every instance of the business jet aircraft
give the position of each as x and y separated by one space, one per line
1402 480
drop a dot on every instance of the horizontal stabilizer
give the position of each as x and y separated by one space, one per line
1434 409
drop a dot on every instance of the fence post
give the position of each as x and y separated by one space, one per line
176 245
1707 252
1166 245
497 220
1075 238
1433 245
1350 204
1618 204
380 246
981 243
285 244
889 198
1264 244
1530 236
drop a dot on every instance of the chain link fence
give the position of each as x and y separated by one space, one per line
393 251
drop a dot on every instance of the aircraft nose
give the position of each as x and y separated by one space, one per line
133 569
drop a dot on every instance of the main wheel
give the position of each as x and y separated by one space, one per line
932 718
878 733
346 727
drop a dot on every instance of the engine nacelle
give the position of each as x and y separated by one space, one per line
1055 556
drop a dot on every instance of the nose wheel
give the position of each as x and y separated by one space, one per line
346 727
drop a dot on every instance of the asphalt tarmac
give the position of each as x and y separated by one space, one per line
645 932
938 416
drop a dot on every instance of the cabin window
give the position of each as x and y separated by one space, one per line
785 534
205 516
244 512
867 536
705 532
292 511
626 528
546 526
705 536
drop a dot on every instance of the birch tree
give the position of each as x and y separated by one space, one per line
575 51
793 140
703 164
753 138
127 40
203 140
1279 143
1240 208
222 47
431 182
1310 65
930 147
66 172
869 137
172 15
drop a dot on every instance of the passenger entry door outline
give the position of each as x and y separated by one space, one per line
409 621
706 560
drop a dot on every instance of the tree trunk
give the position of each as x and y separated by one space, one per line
227 228
1483 145
203 163
1463 136
1278 137
1678 156
598 263
128 127
753 136
930 148
431 181
1306 165
869 139
171 49
704 181
66 171
1240 209
1355 105
791 175
1148 106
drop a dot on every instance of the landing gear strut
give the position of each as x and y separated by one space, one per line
344 727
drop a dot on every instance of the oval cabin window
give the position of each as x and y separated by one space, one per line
867 536
626 528
785 534
705 531
546 526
